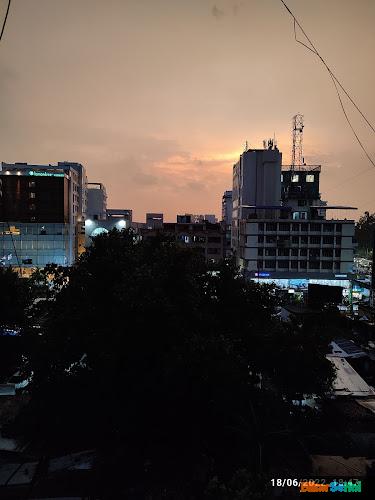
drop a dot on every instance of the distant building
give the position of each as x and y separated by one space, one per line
196 218
207 238
96 201
115 219
42 212
154 220
227 208
280 232
226 222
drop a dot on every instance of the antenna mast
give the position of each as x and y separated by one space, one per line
297 159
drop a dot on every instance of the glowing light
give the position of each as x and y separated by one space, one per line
89 222
121 223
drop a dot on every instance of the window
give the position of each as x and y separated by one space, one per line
271 226
303 264
315 240
295 226
314 265
327 264
260 251
328 228
260 226
283 252
338 240
270 251
294 264
301 203
303 215
310 178
315 227
295 240
303 252
314 253
295 252
32 195
270 264
270 239
304 227
260 239
214 239
32 207
338 228
282 178
327 252
284 226
295 178
337 265
32 184
260 264
337 252
327 240
304 240
283 264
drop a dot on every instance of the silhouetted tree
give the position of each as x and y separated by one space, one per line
153 357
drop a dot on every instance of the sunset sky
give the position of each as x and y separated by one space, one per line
157 97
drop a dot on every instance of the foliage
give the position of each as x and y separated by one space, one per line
15 298
364 233
153 357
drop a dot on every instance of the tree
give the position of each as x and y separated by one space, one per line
364 233
15 298
146 354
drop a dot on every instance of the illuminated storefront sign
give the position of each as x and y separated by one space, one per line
46 174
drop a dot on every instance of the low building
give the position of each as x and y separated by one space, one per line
208 238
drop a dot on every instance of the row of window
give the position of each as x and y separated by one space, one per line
33 245
300 177
33 229
296 226
302 252
303 240
295 264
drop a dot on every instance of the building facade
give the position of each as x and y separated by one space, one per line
207 238
96 201
42 212
280 228
154 220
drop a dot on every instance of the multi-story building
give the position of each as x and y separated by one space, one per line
207 238
42 210
196 218
227 208
280 229
115 218
96 201
226 221
154 221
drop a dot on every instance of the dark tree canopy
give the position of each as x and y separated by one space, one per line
364 232
151 356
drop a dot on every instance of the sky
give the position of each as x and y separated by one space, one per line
158 97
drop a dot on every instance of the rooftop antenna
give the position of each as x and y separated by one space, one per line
246 146
297 158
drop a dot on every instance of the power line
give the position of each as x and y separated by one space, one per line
5 20
335 81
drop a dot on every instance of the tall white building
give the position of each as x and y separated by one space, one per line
280 228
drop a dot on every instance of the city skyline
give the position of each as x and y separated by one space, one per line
157 99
